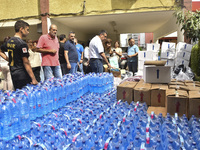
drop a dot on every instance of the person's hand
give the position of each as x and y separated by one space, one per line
34 81
109 66
128 56
68 66
53 51
81 61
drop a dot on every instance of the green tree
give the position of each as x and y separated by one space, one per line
190 24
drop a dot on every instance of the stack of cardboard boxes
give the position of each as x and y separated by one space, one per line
168 53
150 54
183 53
174 97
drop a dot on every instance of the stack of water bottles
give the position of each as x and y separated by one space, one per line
93 120
17 108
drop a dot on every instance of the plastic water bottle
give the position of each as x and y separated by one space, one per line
24 113
5 119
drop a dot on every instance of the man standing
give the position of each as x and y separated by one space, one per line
97 52
80 51
71 54
62 60
48 45
132 55
20 67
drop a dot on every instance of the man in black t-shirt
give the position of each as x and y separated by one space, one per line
17 49
71 54
63 63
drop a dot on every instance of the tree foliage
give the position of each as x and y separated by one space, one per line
190 22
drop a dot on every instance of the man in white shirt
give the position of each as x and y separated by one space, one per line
96 51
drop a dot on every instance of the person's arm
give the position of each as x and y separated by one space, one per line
119 54
4 56
133 55
106 60
40 50
67 59
81 61
29 70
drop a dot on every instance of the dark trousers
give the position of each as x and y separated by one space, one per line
132 66
36 71
19 84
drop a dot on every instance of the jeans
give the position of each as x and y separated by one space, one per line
80 67
64 68
52 71
96 65
73 69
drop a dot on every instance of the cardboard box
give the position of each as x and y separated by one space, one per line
169 62
142 55
116 73
168 46
157 110
125 91
157 74
194 103
180 61
169 54
177 102
184 55
147 55
175 82
184 46
158 94
140 64
153 47
142 93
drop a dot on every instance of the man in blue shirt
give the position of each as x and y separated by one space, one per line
80 50
132 55
71 54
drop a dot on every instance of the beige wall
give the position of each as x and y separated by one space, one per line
18 8
94 7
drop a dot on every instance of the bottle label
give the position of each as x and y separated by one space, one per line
101 115
43 146
119 123
67 116
55 114
66 147
114 132
94 121
37 124
25 93
108 109
147 138
79 120
124 118
119 101
75 137
30 141
19 137
107 142
129 112
51 126
14 101
87 128
137 103
64 131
